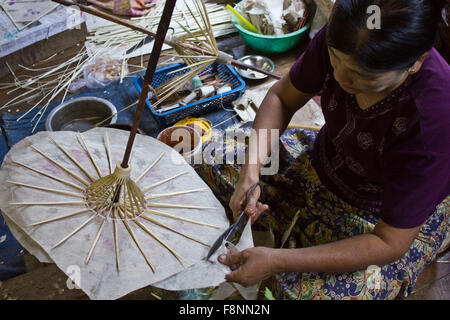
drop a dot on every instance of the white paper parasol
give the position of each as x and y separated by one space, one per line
42 196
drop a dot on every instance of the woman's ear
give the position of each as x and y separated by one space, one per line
418 64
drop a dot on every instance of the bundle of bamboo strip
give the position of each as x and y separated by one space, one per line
220 24
171 40
47 84
193 39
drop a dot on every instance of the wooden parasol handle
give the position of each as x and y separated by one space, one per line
151 67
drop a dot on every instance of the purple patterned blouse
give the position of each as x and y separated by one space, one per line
392 159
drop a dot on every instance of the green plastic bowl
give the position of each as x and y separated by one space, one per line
271 44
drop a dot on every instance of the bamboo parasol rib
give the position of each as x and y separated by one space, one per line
48 203
60 217
85 223
49 176
150 167
97 237
173 230
163 181
163 214
168 205
143 227
173 194
85 147
73 160
61 166
116 240
67 193
116 196
117 212
133 236
108 153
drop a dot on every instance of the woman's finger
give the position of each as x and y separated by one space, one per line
234 276
260 208
250 209
230 258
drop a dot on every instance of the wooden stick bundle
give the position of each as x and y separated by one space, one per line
170 41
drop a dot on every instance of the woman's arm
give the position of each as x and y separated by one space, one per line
385 245
275 112
278 108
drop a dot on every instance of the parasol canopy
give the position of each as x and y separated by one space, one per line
43 182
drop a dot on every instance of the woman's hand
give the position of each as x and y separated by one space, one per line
250 266
254 207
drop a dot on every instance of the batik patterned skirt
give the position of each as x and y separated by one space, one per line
308 214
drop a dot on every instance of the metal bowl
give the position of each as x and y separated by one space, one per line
256 61
123 126
80 114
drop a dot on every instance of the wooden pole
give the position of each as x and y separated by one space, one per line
152 63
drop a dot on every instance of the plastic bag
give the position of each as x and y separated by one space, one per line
100 73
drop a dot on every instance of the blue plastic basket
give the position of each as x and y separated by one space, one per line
226 73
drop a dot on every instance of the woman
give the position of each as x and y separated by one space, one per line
375 182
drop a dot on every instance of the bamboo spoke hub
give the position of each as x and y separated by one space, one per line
116 190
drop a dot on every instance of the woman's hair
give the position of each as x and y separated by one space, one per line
407 29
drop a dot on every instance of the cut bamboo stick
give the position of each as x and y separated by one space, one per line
168 89
163 181
178 82
156 196
150 87
67 193
49 176
59 218
84 145
154 236
61 166
159 213
108 152
180 206
116 238
49 203
173 230
201 63
74 231
150 167
174 84
136 241
97 237
64 81
196 21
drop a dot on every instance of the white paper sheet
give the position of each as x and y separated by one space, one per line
99 278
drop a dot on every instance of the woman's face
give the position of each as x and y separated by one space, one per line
355 80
